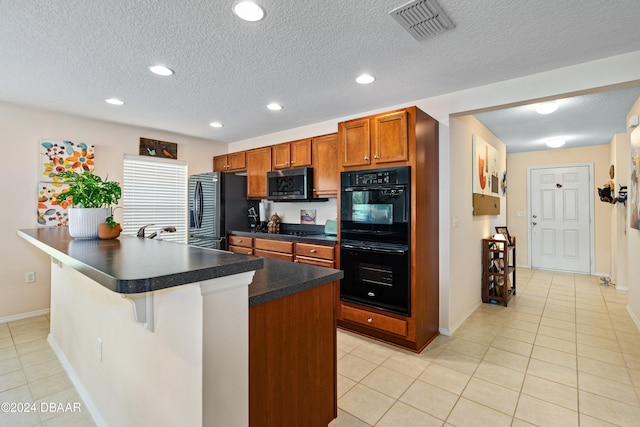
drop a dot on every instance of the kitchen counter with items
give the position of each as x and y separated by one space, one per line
328 239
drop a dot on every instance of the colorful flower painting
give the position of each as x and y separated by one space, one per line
59 156
50 211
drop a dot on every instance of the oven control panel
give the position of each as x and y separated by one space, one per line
386 177
374 177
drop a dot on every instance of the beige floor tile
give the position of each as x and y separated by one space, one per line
608 388
541 413
550 391
514 346
345 419
348 342
29 327
6 342
408 364
387 381
602 354
470 414
500 375
404 415
491 395
9 365
32 346
366 404
587 421
468 348
525 317
559 324
445 378
604 369
344 384
71 419
354 367
565 313
629 337
8 353
340 354
632 361
50 385
457 362
43 370
554 332
629 348
28 320
476 335
554 356
595 331
65 397
556 343
607 343
36 357
430 399
523 326
11 380
373 352
30 336
16 395
507 359
608 410
552 372
590 321
519 335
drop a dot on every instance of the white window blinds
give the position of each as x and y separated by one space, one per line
154 191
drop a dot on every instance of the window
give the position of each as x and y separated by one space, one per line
154 191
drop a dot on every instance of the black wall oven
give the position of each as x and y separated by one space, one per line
374 238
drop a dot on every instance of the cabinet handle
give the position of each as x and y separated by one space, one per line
376 157
366 157
370 320
286 163
313 251
295 260
239 240
292 162
249 253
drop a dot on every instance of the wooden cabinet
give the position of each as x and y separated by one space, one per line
241 244
326 176
296 154
320 255
271 248
258 164
406 137
231 162
498 271
374 141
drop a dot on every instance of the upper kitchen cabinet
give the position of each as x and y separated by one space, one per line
231 162
258 164
296 154
375 141
326 177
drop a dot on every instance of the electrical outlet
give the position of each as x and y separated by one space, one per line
99 349
29 277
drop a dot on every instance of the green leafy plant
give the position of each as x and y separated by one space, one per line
87 190
110 221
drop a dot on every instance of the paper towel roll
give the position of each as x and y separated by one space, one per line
262 209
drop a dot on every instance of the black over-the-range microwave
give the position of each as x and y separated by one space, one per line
290 185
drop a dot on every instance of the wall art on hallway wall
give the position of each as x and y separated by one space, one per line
634 194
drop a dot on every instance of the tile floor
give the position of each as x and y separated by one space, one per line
31 376
564 353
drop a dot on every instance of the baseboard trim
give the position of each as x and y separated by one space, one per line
459 323
21 316
633 317
75 380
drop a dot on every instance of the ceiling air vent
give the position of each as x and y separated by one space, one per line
422 18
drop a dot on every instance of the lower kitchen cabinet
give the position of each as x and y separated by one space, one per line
271 248
292 360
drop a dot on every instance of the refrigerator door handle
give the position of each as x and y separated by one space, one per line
198 204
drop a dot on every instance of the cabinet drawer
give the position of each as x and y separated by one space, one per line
375 320
314 261
316 251
241 250
241 241
274 245
275 255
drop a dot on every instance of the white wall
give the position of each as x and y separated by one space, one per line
633 244
619 223
20 135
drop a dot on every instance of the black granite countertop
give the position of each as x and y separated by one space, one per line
321 239
281 278
130 265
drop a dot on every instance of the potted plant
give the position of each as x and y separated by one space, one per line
91 200
109 229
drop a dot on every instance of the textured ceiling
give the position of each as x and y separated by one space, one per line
69 55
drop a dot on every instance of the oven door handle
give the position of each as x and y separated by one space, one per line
375 249
375 187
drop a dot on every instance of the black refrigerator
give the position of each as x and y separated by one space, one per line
217 203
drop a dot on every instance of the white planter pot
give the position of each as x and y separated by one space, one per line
84 222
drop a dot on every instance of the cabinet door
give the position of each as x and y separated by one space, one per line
237 161
314 261
241 250
281 156
301 153
326 177
355 141
273 255
220 163
391 138
258 164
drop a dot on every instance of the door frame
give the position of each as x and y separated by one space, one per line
592 250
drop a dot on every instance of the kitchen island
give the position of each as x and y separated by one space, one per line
157 333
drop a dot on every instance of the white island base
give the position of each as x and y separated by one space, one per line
191 370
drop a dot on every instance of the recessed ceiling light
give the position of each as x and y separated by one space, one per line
547 107
365 79
215 124
248 10
555 142
161 70
114 101
274 106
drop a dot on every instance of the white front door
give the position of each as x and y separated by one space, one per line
560 218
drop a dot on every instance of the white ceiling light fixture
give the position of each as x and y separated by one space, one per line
216 124
114 101
547 107
161 70
365 79
555 142
248 11
274 106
